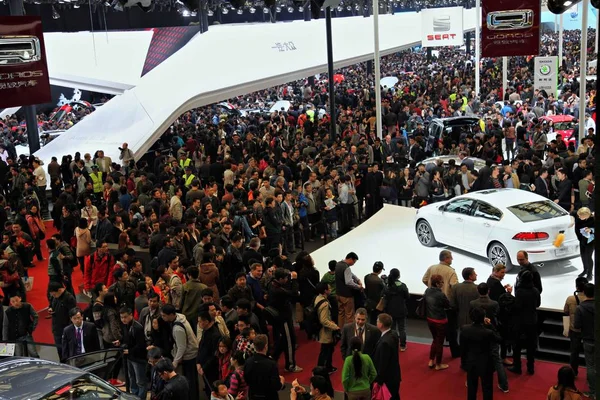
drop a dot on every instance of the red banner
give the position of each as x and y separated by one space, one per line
510 28
24 76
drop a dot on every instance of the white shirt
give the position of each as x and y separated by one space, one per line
40 176
80 329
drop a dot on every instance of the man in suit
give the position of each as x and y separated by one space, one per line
369 334
386 360
261 373
462 295
79 338
477 341
491 310
541 184
373 288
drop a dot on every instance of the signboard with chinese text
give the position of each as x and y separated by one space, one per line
546 72
442 27
24 76
510 28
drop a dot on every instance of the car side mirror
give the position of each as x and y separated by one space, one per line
442 208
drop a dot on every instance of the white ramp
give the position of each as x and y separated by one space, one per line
389 236
228 61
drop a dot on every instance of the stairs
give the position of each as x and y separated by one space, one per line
552 345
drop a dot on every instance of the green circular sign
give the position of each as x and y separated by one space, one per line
545 69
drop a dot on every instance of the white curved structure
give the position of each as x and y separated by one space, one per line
227 61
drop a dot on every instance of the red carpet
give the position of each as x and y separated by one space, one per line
419 382
37 296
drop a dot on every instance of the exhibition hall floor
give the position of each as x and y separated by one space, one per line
389 236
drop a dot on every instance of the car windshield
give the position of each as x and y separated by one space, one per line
86 387
563 126
537 210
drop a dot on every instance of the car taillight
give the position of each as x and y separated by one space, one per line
531 236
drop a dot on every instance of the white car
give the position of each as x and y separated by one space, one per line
497 223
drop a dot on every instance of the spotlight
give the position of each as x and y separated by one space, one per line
55 14
300 9
277 9
225 10
186 13
560 6
265 10
210 13
240 11
252 10
349 8
357 7
76 6
116 5
340 8
290 9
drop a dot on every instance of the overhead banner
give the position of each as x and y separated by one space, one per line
546 74
24 76
442 27
510 28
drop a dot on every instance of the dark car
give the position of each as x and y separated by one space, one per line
454 126
24 378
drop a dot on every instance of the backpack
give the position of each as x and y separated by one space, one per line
312 322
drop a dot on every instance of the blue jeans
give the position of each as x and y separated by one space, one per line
502 379
590 365
137 378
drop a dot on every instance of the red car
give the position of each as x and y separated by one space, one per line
563 125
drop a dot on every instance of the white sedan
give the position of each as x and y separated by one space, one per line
497 223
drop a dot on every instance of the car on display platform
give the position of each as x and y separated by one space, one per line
563 125
497 223
23 378
478 163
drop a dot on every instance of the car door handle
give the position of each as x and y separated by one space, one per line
487 225
459 219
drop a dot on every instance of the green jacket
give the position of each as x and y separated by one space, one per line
353 384
330 280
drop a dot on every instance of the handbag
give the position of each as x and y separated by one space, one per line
381 305
421 307
380 392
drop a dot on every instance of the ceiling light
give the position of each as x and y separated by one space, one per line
252 10
76 6
186 13
357 7
55 14
265 10
290 9
240 11
278 9
210 13
225 10
301 9
340 8
349 8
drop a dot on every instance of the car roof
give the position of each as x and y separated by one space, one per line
504 197
558 118
25 378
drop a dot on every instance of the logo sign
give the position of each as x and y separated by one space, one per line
442 27
510 28
24 76
546 72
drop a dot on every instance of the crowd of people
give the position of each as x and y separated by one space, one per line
227 202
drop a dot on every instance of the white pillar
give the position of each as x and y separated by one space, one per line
560 42
377 67
583 67
477 44
504 75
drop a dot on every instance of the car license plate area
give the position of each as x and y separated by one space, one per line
562 251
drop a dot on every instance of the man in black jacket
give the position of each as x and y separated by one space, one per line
369 334
584 320
373 289
134 344
19 322
79 338
282 294
261 373
523 260
176 386
61 302
386 359
476 342
206 361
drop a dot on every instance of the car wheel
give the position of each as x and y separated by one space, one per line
425 234
497 254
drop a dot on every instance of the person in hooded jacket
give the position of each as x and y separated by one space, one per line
396 296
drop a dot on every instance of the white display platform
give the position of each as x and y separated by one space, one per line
389 236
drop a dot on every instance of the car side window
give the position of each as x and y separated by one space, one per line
484 210
460 206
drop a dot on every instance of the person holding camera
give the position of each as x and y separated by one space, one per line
126 157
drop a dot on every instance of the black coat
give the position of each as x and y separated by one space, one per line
396 298
387 363
60 312
134 341
527 300
476 343
372 335
91 340
207 350
262 377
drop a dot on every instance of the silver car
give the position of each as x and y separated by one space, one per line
478 163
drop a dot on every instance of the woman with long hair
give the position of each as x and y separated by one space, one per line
37 229
358 373
436 304
84 242
237 384
395 297
111 330
565 388
224 357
